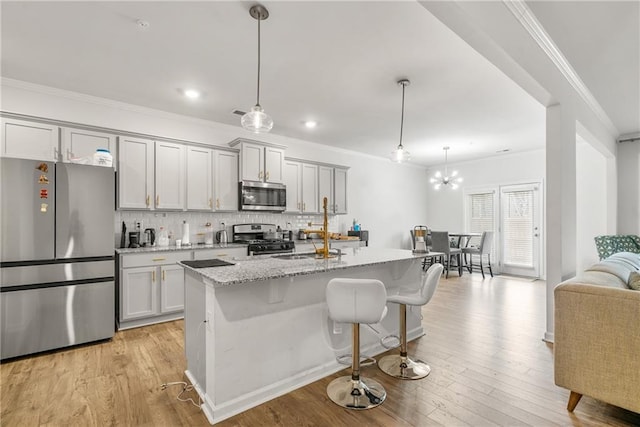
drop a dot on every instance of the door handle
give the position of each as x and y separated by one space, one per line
163 275
153 276
158 200
148 200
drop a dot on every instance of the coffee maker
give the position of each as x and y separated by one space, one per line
134 239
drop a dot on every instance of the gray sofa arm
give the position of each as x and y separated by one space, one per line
597 343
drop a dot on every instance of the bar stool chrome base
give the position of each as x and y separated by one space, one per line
403 367
356 394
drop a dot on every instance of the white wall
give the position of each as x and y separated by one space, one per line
386 198
445 206
591 208
629 187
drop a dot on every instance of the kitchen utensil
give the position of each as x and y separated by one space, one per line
123 236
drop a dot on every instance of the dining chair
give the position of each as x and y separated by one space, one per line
484 248
440 243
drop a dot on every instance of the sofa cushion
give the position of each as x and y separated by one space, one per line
598 278
618 269
609 245
634 281
627 257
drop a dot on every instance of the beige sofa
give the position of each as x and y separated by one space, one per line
597 333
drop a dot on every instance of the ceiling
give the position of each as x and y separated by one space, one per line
333 62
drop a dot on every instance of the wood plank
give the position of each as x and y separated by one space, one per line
483 343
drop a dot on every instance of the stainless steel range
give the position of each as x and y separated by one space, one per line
262 239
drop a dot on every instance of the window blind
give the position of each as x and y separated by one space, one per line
518 226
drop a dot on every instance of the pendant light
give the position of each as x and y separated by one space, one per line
400 155
256 120
440 179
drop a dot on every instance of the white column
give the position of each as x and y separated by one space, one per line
560 201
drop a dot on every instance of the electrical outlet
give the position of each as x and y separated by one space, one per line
337 328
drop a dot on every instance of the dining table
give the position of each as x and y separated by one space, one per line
464 238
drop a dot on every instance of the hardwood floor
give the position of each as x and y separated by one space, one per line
483 342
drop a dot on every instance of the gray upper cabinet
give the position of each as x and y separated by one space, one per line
199 178
29 140
340 191
225 180
78 144
170 176
260 162
135 173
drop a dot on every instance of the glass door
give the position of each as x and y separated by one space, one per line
520 229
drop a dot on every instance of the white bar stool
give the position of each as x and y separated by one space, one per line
400 365
356 301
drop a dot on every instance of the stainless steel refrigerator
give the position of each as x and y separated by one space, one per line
57 255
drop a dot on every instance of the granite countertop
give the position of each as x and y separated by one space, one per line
264 267
148 249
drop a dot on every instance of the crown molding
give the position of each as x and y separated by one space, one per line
530 23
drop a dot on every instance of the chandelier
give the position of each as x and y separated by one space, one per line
440 179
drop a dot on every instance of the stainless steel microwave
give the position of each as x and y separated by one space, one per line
262 196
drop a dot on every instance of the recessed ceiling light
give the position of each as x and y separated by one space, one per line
311 124
192 93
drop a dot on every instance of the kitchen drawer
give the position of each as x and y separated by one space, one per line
220 253
155 258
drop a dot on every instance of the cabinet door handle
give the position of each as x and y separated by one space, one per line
304 206
153 276
298 205
69 154
158 259
217 203
210 203
163 275
158 200
267 175
260 175
148 200
55 153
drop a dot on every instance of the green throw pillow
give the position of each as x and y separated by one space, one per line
609 245
634 280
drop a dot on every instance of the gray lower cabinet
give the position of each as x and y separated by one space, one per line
151 288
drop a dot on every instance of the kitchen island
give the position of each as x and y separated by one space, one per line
259 328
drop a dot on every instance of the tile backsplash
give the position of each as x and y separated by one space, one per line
172 222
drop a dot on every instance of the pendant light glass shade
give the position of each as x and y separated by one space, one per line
400 155
256 120
445 179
